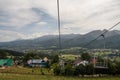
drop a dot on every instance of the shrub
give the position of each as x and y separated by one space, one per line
57 70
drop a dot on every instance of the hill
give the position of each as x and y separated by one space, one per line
11 52
112 39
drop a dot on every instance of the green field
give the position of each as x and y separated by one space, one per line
22 73
6 76
69 56
25 70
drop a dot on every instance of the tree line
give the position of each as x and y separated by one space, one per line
89 69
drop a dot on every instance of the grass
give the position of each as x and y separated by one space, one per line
22 73
69 56
24 70
5 76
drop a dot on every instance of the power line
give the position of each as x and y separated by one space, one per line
59 29
101 35
93 39
59 26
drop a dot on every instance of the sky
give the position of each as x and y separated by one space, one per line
28 19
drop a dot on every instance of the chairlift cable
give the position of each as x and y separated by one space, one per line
101 34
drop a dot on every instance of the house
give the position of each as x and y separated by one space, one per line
78 61
84 62
5 62
45 59
36 63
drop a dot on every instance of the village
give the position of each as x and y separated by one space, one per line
86 63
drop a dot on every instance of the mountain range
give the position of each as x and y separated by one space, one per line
110 40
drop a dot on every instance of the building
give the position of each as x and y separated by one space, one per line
78 62
36 63
5 62
45 59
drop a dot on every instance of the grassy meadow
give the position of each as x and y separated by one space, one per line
69 56
22 73
8 76
26 70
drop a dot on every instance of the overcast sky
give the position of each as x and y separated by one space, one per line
24 19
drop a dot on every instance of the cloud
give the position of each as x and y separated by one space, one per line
39 17
20 19
81 16
41 23
18 13
21 13
6 35
90 15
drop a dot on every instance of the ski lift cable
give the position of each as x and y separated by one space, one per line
59 29
101 35
95 38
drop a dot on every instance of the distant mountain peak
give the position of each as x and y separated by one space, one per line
68 40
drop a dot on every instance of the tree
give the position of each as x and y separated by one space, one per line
3 54
77 71
118 67
55 59
57 70
112 68
82 70
89 69
69 71
85 56
30 55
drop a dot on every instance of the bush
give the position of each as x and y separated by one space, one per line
112 68
76 71
89 69
57 70
118 68
55 59
69 71
66 71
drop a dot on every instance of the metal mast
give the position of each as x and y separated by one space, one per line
59 26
